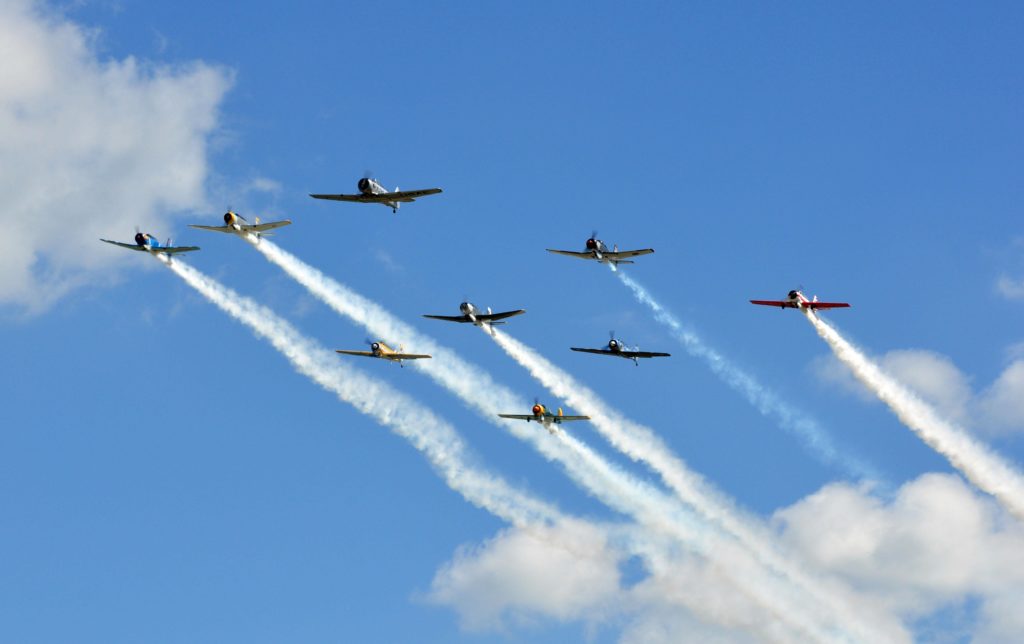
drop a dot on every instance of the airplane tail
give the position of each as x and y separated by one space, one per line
560 412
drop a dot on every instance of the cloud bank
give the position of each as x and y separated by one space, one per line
90 147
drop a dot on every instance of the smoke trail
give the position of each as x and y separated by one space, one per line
641 444
417 424
978 463
479 391
446 452
789 418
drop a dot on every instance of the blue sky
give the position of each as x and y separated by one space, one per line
169 477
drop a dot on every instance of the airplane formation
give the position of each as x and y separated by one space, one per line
370 191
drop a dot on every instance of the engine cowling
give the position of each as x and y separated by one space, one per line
375 346
364 185
591 244
538 409
140 239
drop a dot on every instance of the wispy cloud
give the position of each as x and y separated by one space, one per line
1010 288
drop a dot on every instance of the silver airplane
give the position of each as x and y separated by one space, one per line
595 249
617 348
372 192
236 224
473 315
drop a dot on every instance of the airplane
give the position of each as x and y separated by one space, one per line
617 348
372 192
471 314
797 300
540 414
384 352
596 250
149 243
236 224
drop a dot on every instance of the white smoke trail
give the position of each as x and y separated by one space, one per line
446 452
641 444
788 417
407 418
479 391
978 463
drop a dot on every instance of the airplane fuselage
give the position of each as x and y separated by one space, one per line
799 299
469 310
370 187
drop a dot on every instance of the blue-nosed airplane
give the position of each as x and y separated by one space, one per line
149 243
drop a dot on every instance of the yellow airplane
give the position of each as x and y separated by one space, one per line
384 352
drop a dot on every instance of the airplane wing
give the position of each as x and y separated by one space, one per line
450 318
784 304
600 352
407 356
123 245
404 196
216 229
491 317
565 419
644 354
572 253
341 197
828 305
408 195
270 225
174 250
622 254
368 354
518 416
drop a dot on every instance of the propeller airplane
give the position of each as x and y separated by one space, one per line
372 192
797 300
473 315
595 249
540 414
236 224
617 348
380 350
149 243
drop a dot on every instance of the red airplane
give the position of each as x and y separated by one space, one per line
797 300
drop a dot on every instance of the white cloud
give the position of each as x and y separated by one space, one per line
90 148
571 573
915 559
564 573
933 376
1002 404
935 544
1010 288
